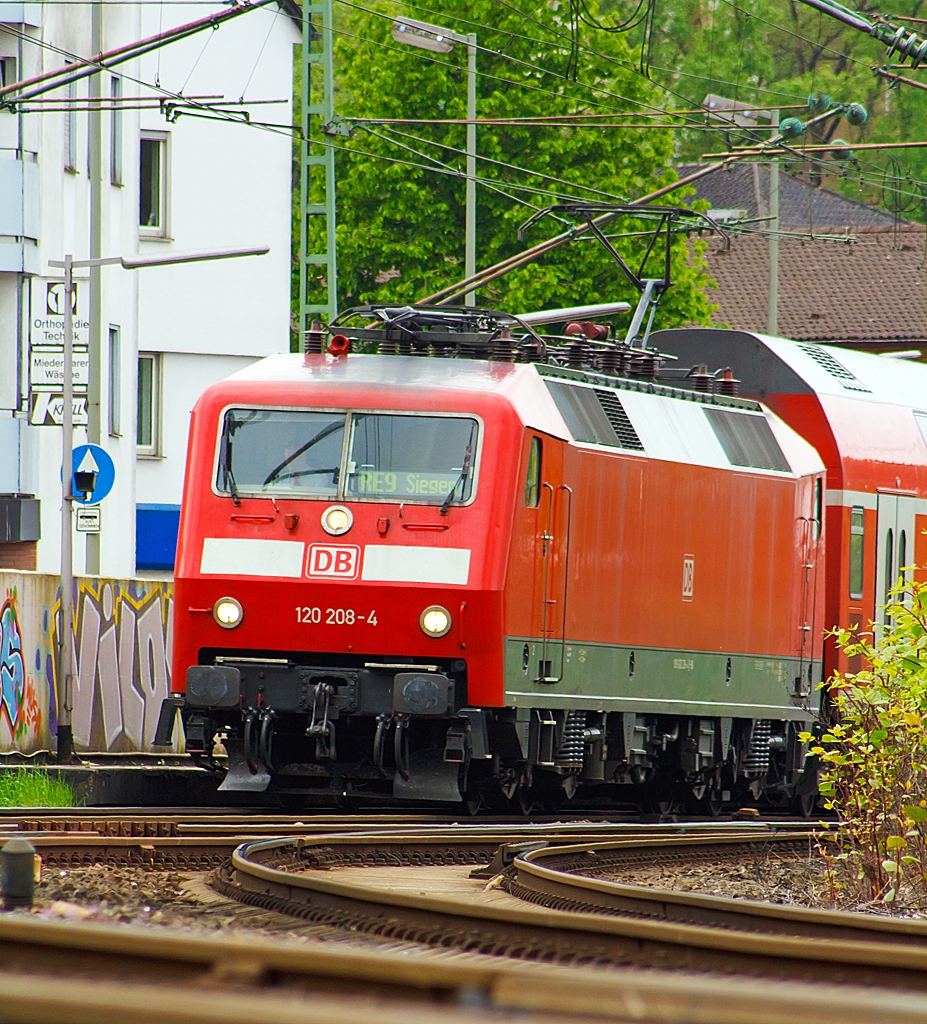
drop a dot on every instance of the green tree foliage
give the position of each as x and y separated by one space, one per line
401 225
874 759
778 52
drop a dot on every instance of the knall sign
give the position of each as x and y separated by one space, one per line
333 561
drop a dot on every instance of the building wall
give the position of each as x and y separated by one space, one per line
228 187
122 641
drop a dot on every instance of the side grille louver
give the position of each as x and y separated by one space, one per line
839 372
594 415
618 418
747 440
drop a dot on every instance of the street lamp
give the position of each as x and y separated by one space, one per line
443 40
69 264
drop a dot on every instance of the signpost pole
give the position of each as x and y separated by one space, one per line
65 689
65 667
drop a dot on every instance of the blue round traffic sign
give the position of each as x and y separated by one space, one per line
91 458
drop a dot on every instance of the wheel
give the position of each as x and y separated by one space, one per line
292 803
525 800
712 801
473 802
805 804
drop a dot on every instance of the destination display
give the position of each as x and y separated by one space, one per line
367 482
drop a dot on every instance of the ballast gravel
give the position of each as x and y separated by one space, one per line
771 877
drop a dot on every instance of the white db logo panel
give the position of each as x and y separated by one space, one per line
333 561
688 577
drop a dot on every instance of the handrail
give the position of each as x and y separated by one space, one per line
566 584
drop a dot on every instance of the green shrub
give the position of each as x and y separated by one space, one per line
874 761
33 787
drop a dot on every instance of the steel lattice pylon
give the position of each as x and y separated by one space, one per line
317 161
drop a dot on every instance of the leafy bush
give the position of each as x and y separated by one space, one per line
33 787
874 760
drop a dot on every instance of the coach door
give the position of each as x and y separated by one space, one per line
552 548
895 548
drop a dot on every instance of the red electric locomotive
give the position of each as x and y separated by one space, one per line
492 577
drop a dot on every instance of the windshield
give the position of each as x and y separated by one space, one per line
411 456
273 451
389 457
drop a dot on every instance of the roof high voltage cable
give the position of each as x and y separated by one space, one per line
83 67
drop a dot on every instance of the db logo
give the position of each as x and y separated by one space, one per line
688 577
333 561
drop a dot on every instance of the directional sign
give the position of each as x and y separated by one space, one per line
47 410
91 458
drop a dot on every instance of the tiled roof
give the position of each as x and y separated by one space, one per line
801 207
873 290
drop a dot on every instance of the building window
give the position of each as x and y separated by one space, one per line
7 71
152 185
857 536
115 132
70 129
115 383
148 426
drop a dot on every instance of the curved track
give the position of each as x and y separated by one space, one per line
562 916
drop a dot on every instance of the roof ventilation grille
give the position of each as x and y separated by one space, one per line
614 410
596 422
827 362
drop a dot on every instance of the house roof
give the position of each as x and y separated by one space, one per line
870 293
801 207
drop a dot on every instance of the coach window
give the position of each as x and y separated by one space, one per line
857 536
533 479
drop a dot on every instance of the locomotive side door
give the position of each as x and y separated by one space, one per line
894 547
551 546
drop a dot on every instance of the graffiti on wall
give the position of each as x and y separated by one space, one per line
20 710
122 633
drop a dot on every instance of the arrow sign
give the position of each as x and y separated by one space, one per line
87 463
91 458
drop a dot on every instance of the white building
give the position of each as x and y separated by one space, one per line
164 334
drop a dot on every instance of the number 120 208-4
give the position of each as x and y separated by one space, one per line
334 616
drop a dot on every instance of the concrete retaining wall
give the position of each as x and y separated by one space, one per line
121 633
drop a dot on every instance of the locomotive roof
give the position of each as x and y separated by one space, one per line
767 365
666 423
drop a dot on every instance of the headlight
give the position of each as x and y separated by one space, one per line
227 612
435 621
337 519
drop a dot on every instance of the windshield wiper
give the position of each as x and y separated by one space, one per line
464 473
320 436
227 468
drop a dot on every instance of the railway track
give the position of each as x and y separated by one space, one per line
196 840
566 943
79 974
555 911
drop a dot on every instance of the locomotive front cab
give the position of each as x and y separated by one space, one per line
333 566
